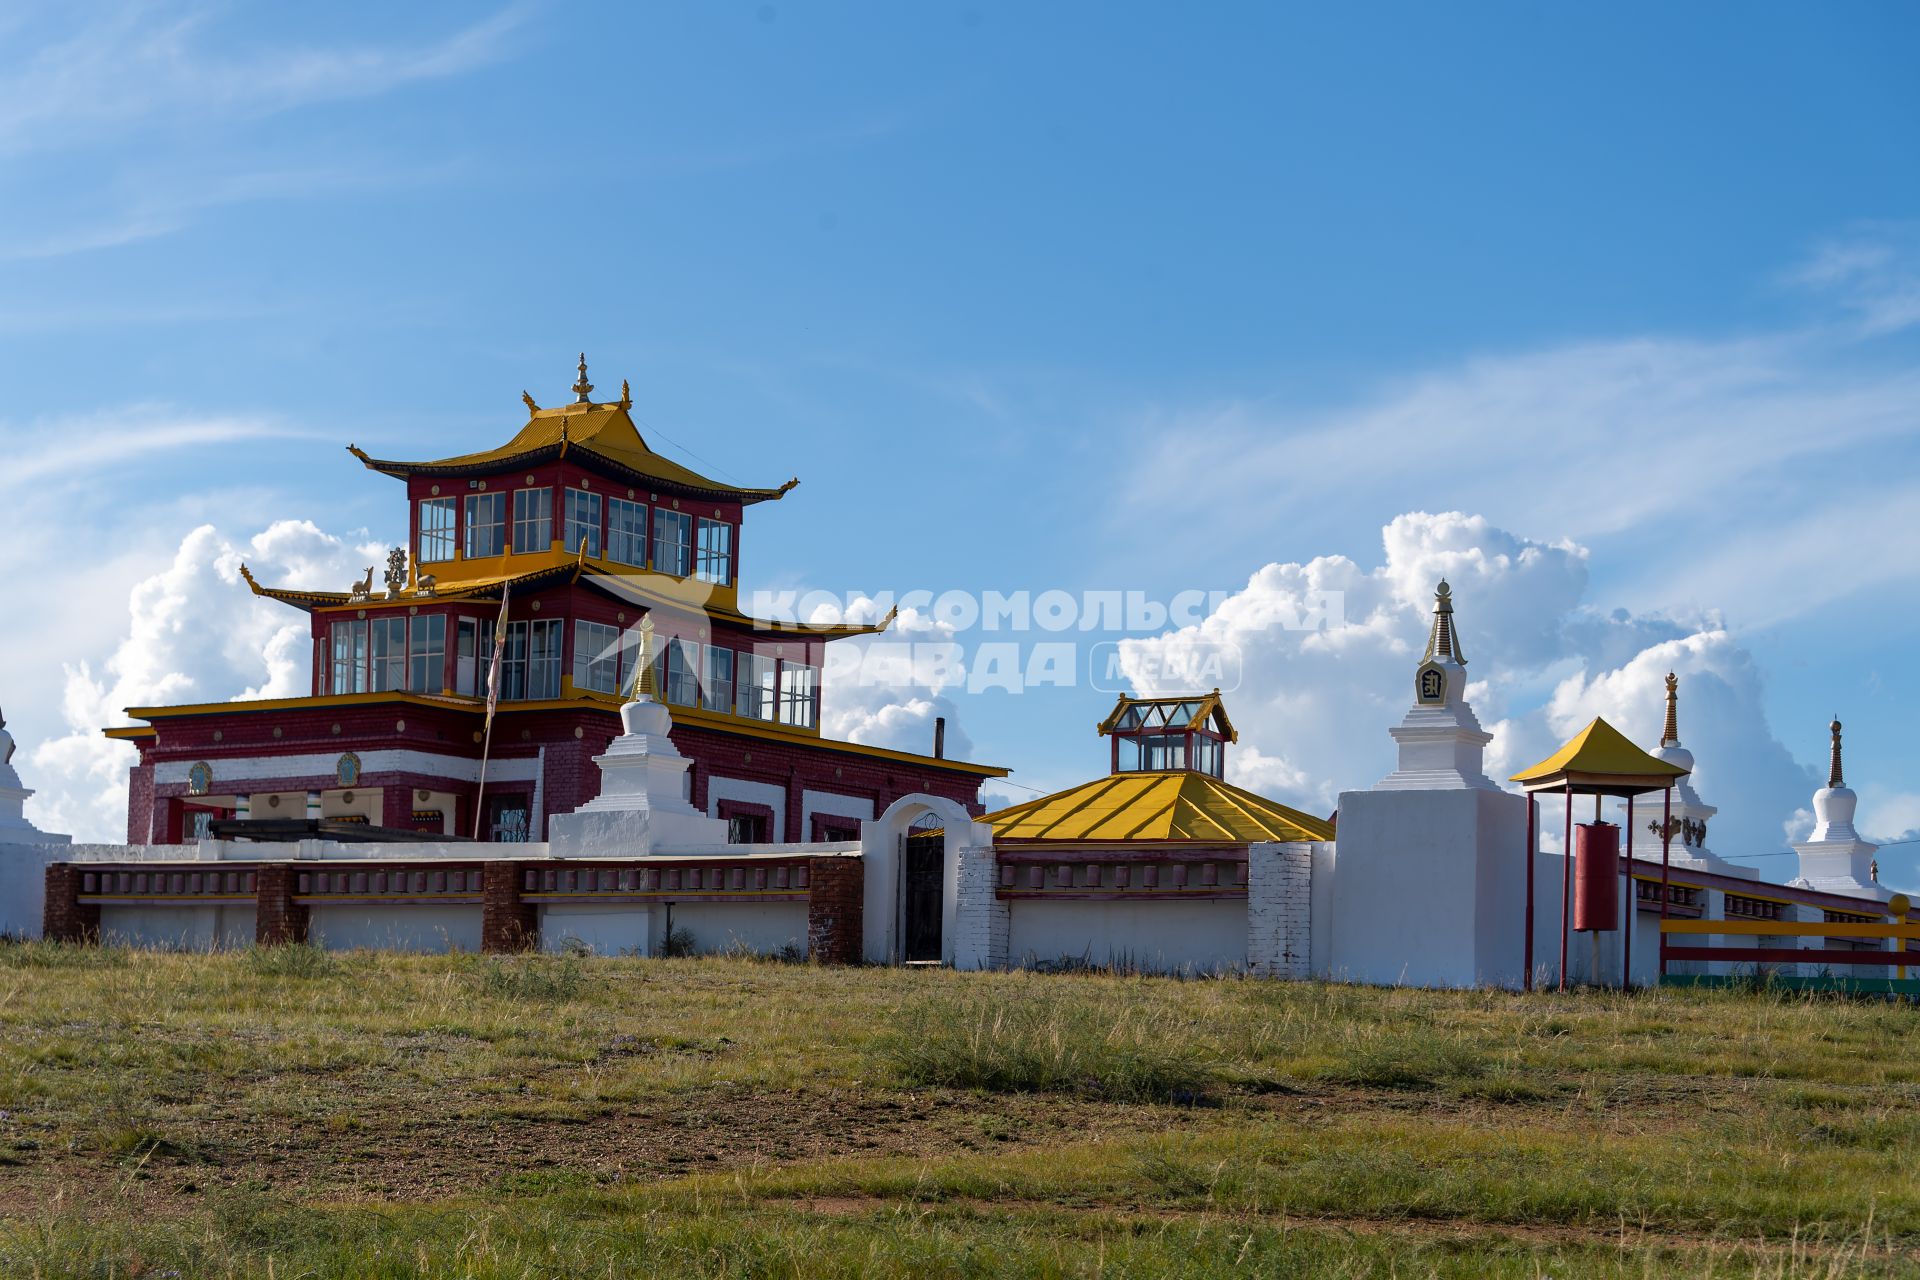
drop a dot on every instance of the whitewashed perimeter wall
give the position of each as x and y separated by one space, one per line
1154 937
1280 909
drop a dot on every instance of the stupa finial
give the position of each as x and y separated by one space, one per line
643 676
1443 643
582 389
1836 777
1670 735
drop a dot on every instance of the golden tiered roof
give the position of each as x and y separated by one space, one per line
600 433
1177 805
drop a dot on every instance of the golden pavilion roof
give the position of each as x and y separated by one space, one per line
602 433
638 587
1600 760
1176 805
1175 714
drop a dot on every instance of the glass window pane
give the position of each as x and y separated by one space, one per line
596 657
532 520
389 654
427 654
754 695
436 531
716 685
627 531
583 521
715 560
799 693
486 524
672 542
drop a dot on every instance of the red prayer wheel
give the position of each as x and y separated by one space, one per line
1596 877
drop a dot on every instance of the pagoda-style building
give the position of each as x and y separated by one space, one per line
581 531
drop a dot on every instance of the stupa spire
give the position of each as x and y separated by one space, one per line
1442 643
1670 735
583 389
1836 777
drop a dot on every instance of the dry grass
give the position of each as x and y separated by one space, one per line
299 1113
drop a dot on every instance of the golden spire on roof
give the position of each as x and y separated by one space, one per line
583 389
1670 735
1835 778
1443 643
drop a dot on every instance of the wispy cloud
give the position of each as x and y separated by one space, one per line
1873 270
139 66
77 449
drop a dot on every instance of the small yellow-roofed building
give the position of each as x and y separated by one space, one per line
1151 866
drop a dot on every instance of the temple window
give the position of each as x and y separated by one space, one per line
427 654
672 543
468 666
530 666
437 541
532 520
799 694
677 672
714 562
596 657
486 524
627 532
754 693
389 654
716 684
349 657
583 522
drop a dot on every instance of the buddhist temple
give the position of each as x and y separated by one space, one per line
553 548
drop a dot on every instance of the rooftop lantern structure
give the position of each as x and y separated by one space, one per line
1166 735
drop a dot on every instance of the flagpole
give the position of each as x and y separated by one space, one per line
493 700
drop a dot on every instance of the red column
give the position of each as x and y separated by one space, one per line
1533 823
277 918
1626 947
507 923
836 892
1566 884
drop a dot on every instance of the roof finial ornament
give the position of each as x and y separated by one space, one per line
1670 735
1443 643
1835 778
582 389
531 406
626 395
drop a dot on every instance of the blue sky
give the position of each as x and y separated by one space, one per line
1067 296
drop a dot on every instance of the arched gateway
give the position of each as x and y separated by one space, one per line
914 853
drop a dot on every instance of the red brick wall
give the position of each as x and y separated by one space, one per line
277 917
64 919
836 893
506 923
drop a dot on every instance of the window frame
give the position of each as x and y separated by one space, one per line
586 660
496 527
587 524
703 556
426 657
526 525
433 535
636 538
682 564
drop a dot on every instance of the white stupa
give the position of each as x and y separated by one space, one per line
1834 858
1428 873
1690 813
642 807
14 827
1442 746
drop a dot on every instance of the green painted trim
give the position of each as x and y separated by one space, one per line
1780 982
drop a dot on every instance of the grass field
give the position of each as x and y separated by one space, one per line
288 1113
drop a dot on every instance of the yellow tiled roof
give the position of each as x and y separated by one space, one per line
1599 754
1175 805
603 431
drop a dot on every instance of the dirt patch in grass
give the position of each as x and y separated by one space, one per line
433 1151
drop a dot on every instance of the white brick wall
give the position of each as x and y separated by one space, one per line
979 919
1279 909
